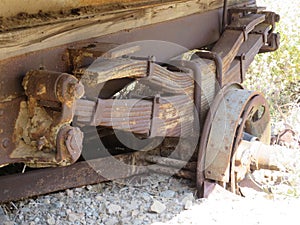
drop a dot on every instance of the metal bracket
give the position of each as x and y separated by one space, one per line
272 43
218 62
97 115
155 112
271 18
150 63
242 59
245 10
242 28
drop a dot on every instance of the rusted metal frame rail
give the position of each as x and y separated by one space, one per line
42 181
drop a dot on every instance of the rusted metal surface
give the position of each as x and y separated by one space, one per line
235 34
234 50
255 121
42 181
172 171
233 112
218 100
224 131
69 144
176 163
173 115
155 116
224 15
56 58
263 156
49 108
104 69
8 117
218 62
272 43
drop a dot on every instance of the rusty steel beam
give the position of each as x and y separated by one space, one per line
41 181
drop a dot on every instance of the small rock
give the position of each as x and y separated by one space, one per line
146 196
187 197
8 223
137 222
4 219
79 190
72 217
188 205
2 212
124 213
36 220
88 213
99 198
70 193
133 205
134 213
111 221
89 187
157 207
112 208
51 220
47 201
167 194
25 210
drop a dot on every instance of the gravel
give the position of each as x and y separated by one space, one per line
158 199
161 200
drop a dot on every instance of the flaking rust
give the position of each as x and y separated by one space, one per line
42 136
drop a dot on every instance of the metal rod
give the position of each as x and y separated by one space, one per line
175 163
224 20
173 171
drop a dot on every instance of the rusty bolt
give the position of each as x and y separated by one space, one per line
79 90
69 144
73 142
5 143
76 90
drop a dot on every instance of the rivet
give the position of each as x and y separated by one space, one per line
5 143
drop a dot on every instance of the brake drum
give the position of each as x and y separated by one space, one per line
234 112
